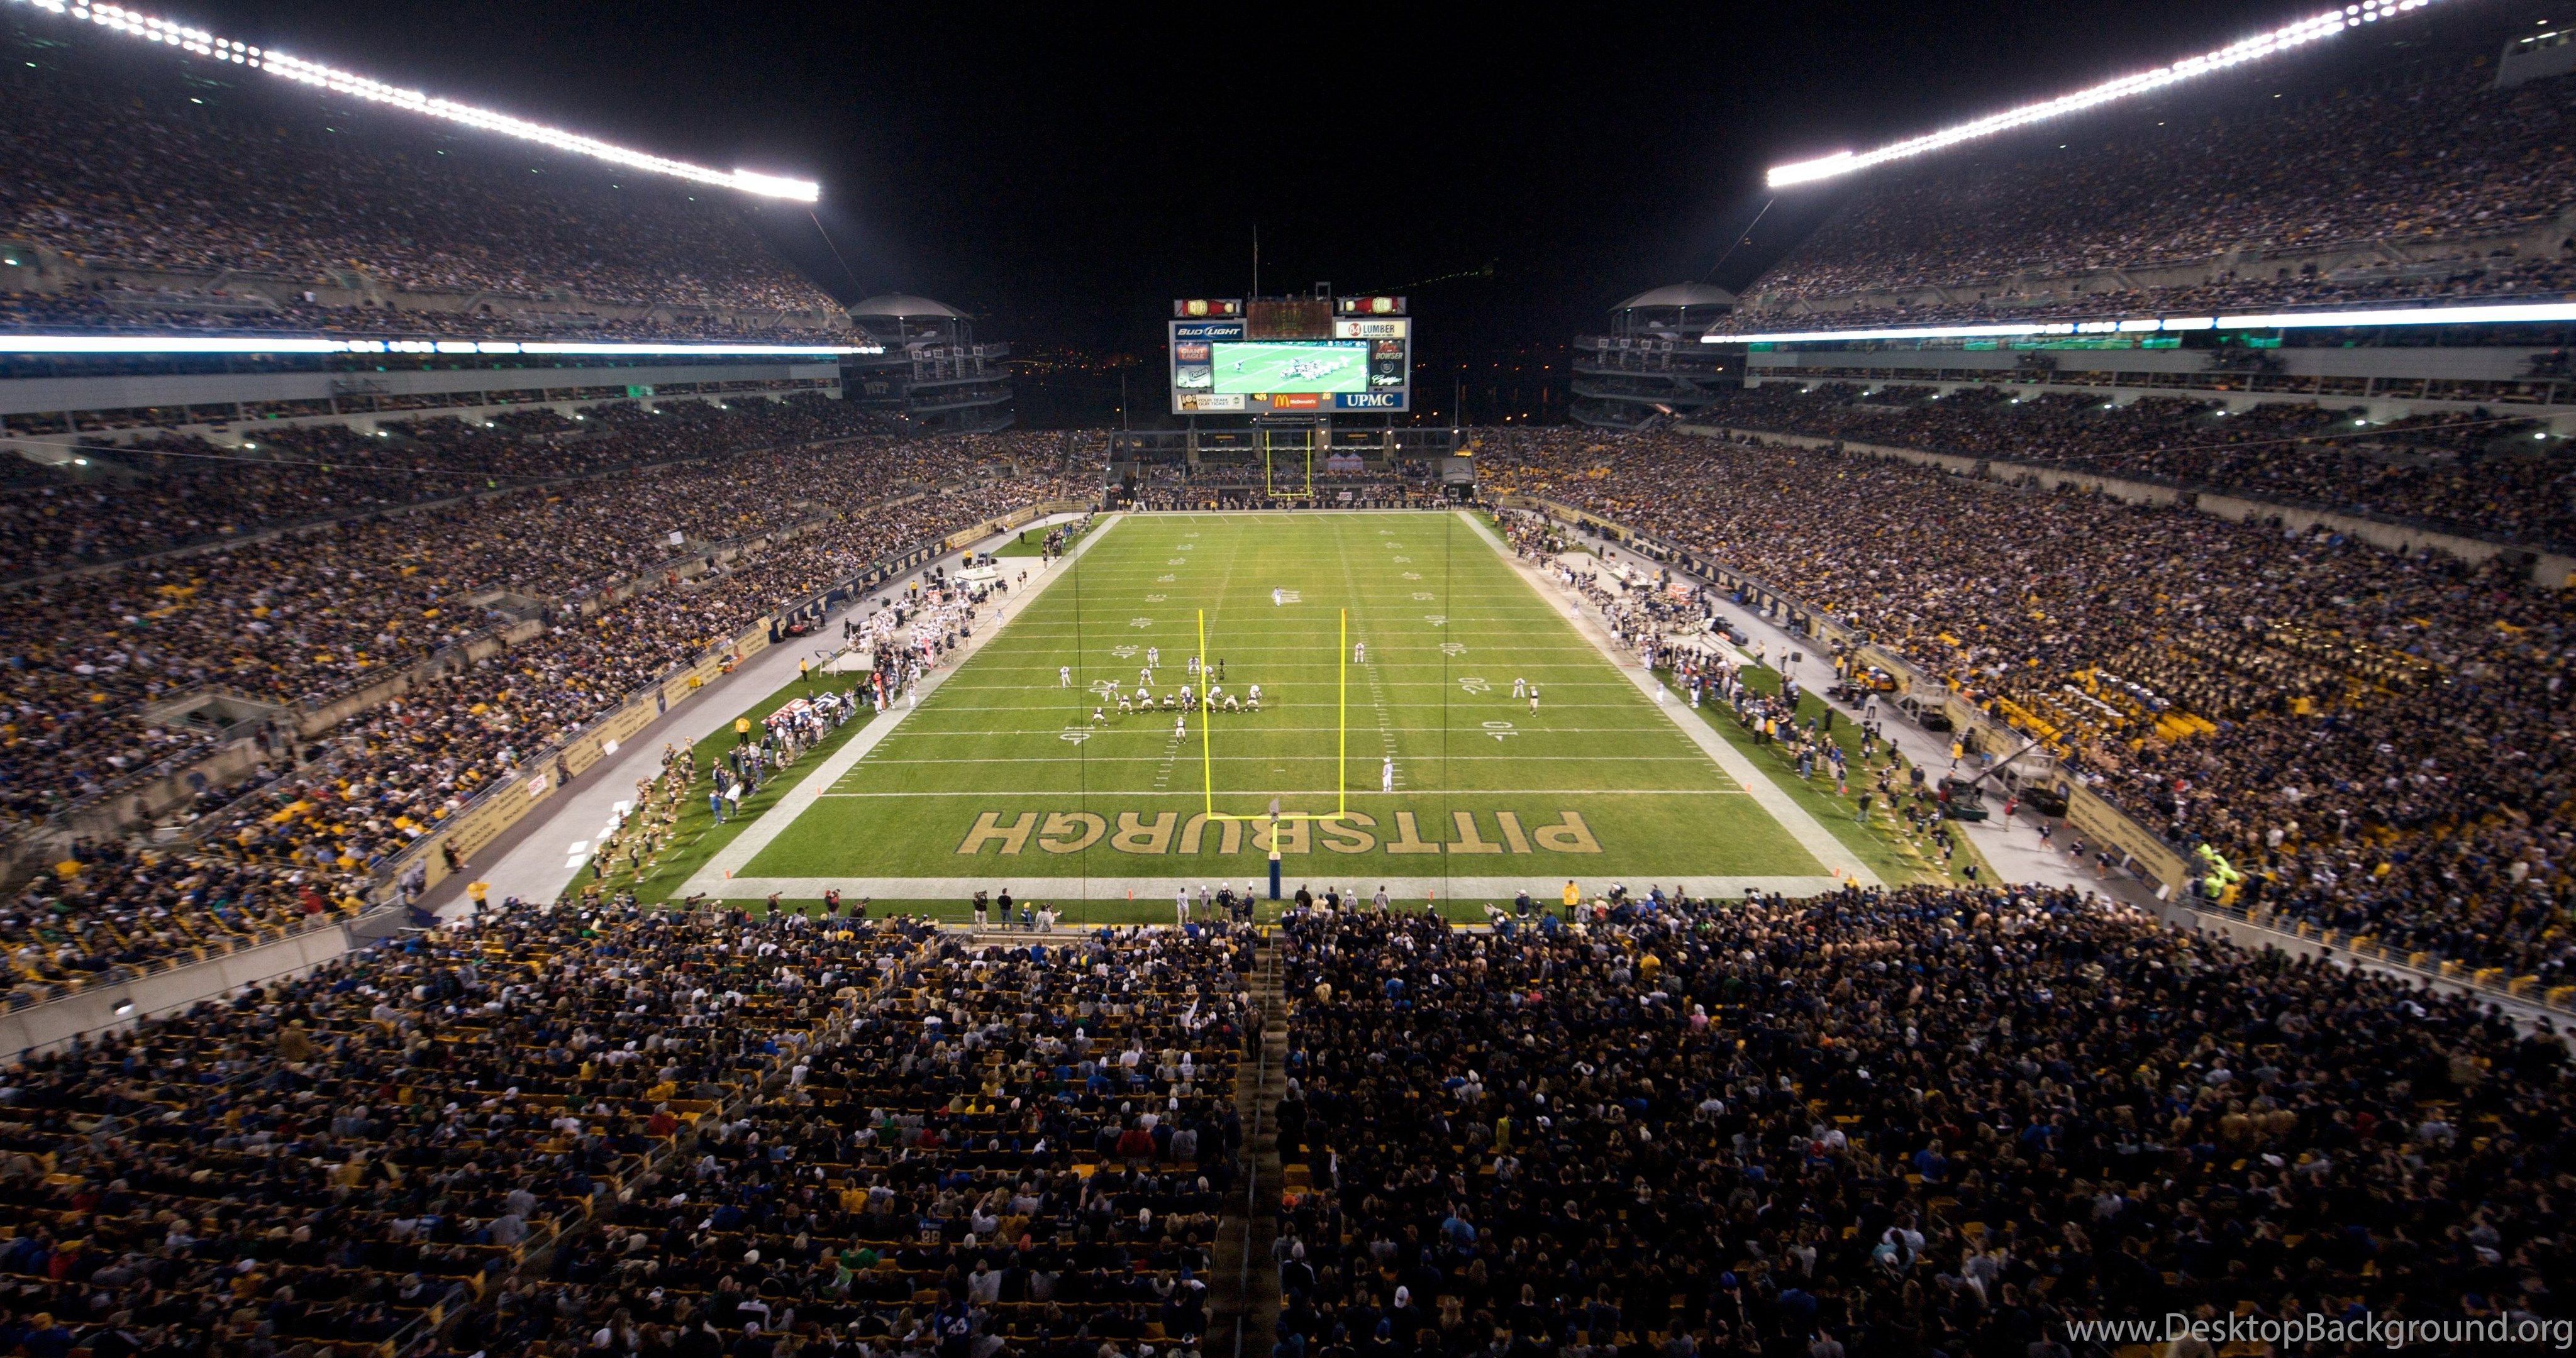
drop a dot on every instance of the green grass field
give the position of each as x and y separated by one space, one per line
697 837
1294 367
1000 777
1031 542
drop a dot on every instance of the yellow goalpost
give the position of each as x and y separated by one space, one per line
1269 468
1342 741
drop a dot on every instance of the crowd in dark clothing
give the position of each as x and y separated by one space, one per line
166 491
2481 273
92 657
119 160
2479 473
302 616
613 1131
1927 1121
2414 146
1023 1148
114 307
2377 741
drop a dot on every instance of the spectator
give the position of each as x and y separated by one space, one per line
2301 705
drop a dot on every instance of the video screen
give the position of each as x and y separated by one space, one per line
1313 366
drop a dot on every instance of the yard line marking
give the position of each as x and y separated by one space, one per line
1377 688
1478 791
1496 890
728 861
1171 751
1693 758
1770 796
1097 732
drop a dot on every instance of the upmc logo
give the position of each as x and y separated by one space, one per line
1371 400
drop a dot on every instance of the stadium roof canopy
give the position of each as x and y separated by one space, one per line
899 304
199 42
1679 294
2314 28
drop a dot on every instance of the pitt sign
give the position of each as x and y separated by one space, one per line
1166 833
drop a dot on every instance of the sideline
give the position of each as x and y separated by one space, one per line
717 876
1406 892
1818 841
2013 848
531 861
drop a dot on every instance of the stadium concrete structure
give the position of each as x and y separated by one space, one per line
2010 289
1650 370
932 375
126 336
2006 789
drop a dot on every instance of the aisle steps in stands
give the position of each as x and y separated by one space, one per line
1271 1179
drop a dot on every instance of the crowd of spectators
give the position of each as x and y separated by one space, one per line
2473 472
1227 485
1022 1148
112 308
137 166
1912 1122
289 618
300 617
2428 153
805 1134
2377 741
2475 276
169 491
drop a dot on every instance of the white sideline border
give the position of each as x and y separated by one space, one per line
719 878
533 867
716 877
1770 796
1403 892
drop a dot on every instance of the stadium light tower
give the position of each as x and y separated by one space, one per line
151 28
2311 29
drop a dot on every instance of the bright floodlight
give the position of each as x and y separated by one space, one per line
2303 32
272 344
279 64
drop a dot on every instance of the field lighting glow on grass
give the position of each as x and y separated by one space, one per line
2305 31
1027 766
199 42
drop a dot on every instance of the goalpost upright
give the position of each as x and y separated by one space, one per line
1269 466
1341 746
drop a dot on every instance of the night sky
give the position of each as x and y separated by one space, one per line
1063 176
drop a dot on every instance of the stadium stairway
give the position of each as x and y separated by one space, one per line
2014 849
1251 1276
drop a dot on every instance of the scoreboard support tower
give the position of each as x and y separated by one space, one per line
1289 447
1303 392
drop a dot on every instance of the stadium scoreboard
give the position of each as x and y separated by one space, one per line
1232 356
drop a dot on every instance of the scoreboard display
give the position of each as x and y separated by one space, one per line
1232 357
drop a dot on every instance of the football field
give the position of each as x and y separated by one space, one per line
1389 647
1257 367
